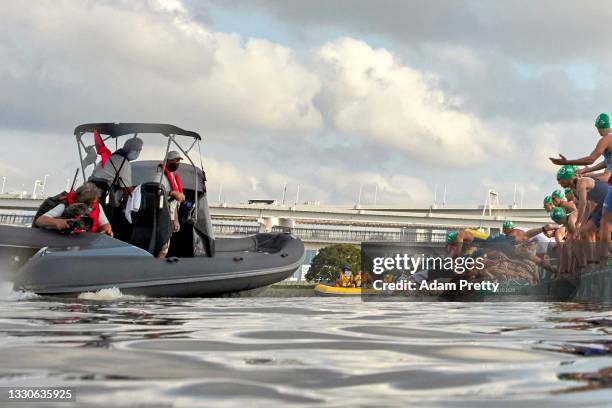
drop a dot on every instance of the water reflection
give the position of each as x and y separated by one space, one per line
594 380
308 350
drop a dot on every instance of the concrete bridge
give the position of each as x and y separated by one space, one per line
320 225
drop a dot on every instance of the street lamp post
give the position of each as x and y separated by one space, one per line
44 185
36 184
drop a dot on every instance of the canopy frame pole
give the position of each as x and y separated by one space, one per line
79 143
171 138
161 176
192 144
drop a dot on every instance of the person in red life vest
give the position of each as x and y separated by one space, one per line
87 194
174 188
173 178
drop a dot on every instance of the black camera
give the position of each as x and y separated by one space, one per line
83 223
78 218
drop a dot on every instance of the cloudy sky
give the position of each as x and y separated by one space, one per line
398 96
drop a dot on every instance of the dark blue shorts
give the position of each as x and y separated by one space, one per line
607 206
596 214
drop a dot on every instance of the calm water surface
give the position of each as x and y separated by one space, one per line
122 351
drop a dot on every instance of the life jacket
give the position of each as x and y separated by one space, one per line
344 280
175 181
49 204
94 214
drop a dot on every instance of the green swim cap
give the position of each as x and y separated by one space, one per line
548 200
569 191
451 237
558 194
602 121
566 173
508 225
557 214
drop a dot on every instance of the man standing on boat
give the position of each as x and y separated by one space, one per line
117 170
114 174
173 186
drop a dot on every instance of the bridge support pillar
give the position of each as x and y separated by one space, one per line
267 223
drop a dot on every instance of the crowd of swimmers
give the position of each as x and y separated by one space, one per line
581 211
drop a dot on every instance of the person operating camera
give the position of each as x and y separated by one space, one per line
87 194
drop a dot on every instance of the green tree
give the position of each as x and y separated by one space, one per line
326 264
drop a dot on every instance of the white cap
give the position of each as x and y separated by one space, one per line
174 155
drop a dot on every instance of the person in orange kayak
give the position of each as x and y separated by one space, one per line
345 280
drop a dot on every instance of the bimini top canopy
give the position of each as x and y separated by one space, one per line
120 129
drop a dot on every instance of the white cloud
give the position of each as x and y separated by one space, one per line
128 61
68 62
367 92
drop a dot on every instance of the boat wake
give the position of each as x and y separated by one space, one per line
7 293
108 294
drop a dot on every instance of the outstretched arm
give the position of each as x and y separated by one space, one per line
535 231
590 159
587 170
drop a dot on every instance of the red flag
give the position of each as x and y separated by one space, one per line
101 148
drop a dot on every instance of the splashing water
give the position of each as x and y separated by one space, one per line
108 294
9 294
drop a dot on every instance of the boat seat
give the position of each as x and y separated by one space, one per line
151 224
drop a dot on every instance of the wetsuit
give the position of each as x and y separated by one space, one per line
598 195
607 206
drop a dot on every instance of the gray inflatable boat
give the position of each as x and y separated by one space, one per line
198 263
48 263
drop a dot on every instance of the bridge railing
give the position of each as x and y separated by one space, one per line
16 219
235 229
344 235
305 233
